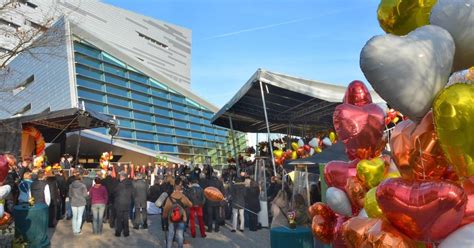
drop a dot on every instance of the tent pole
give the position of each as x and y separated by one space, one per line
233 144
268 128
77 147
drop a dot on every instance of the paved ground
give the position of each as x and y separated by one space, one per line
62 236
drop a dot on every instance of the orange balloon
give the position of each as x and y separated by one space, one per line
416 150
5 219
213 194
355 230
356 192
324 222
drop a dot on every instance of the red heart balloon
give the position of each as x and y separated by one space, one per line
336 173
468 186
3 169
361 129
423 210
357 94
307 148
324 222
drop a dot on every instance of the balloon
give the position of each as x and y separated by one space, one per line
336 173
300 143
307 148
332 137
5 219
356 94
320 208
356 192
327 142
288 154
355 230
423 210
314 142
278 153
457 17
213 194
363 213
371 172
468 186
453 114
393 174
361 129
318 150
311 152
11 160
294 155
416 150
300 151
461 238
370 204
408 72
337 200
339 241
294 146
382 234
324 222
400 17
3 169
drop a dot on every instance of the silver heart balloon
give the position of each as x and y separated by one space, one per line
457 17
409 71
337 200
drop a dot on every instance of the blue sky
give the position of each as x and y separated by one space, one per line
313 39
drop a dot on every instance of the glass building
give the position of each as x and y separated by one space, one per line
150 113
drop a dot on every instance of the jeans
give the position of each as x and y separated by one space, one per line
235 217
178 229
193 211
77 213
97 215
68 208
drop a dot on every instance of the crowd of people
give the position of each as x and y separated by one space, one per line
120 194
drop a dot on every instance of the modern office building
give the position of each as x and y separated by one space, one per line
122 64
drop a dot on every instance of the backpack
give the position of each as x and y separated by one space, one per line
176 213
197 196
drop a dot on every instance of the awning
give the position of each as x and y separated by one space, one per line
51 124
293 101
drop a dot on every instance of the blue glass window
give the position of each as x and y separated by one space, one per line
118 101
159 93
194 111
221 132
181 132
101 130
161 111
87 50
86 94
184 141
199 143
142 107
211 144
94 106
115 70
118 111
143 125
87 61
140 97
115 80
178 107
180 124
167 148
180 116
196 135
195 119
159 102
163 129
209 129
195 127
179 99
85 71
89 83
147 145
210 137
185 149
125 122
138 77
208 115
125 133
138 87
164 138
206 122
140 116
111 59
117 91
162 120
156 83
144 136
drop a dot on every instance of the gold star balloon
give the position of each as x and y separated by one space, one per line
400 17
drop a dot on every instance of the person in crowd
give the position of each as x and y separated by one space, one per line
123 197
40 189
273 189
99 198
70 180
77 198
110 183
62 186
140 187
196 195
237 195
161 170
64 163
88 180
156 190
212 207
24 167
25 188
13 179
252 203
302 217
174 209
54 193
168 187
279 208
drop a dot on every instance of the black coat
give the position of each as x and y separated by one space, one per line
214 182
62 186
123 195
252 201
237 194
155 192
140 191
110 184
53 189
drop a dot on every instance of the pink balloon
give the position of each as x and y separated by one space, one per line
360 129
357 94
3 169
336 173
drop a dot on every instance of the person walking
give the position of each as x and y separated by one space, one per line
88 180
252 204
123 196
62 185
174 209
237 195
140 187
196 195
99 198
54 193
77 198
110 183
212 207
40 189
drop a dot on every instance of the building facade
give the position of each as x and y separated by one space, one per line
129 66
